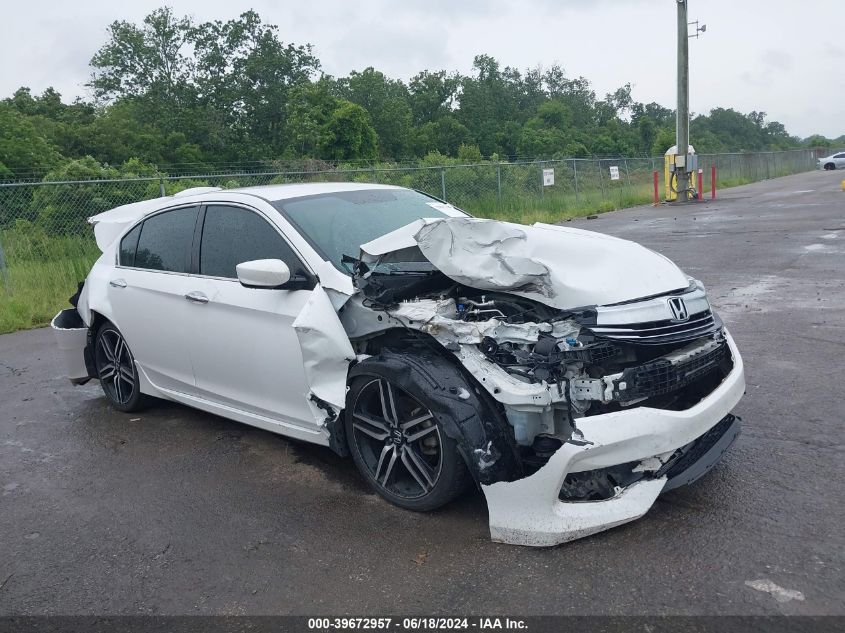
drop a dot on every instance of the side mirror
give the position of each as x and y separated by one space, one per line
263 273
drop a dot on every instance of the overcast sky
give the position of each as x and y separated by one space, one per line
784 57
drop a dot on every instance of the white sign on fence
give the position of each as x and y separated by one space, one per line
614 172
548 177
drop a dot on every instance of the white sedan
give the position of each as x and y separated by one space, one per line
834 161
570 375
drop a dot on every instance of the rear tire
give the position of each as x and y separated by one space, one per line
116 369
399 447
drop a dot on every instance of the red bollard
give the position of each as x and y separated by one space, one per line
700 185
713 182
656 191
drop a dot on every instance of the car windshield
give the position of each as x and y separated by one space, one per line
336 224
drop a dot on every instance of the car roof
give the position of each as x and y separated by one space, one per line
275 193
108 225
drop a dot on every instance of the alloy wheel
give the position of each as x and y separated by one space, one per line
398 440
115 366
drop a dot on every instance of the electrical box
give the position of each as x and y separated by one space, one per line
692 163
673 161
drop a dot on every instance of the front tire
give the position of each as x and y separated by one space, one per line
116 369
829 167
399 446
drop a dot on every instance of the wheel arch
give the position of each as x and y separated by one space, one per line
466 413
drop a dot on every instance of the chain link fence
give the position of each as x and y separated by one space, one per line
46 245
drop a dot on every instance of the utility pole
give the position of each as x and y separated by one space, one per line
682 120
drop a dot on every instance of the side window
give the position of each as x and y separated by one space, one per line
840 156
128 246
165 241
232 235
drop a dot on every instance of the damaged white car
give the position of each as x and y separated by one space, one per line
571 375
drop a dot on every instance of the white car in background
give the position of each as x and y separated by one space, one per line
572 376
834 161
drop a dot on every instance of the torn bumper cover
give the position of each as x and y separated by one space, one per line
529 511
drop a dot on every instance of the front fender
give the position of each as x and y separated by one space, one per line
462 408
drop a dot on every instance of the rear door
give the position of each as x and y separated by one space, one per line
245 351
148 291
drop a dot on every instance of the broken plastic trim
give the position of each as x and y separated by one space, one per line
463 412
331 414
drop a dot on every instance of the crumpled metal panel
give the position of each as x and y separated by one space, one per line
326 354
561 267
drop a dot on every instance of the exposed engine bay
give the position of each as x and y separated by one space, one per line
583 374
547 367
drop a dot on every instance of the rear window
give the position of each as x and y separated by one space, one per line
128 246
336 224
165 241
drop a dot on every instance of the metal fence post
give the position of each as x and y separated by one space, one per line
499 182
443 183
601 182
542 192
575 171
3 272
161 186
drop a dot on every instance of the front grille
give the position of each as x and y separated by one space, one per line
662 376
660 332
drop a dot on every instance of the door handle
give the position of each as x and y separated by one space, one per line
196 297
117 283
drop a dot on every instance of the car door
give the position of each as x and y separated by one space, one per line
839 161
147 295
244 349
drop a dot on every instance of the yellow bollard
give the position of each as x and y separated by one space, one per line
843 185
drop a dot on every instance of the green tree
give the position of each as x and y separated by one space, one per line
308 111
432 95
23 151
150 59
445 135
386 100
173 91
817 140
663 141
469 154
246 72
348 134
488 99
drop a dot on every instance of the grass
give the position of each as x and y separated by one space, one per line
41 275
555 207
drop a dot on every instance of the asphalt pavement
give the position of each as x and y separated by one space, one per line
174 511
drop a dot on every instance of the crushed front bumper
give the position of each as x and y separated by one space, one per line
529 512
71 336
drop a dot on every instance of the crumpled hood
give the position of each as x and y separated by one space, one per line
561 267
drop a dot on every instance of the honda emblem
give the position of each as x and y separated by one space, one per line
678 309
